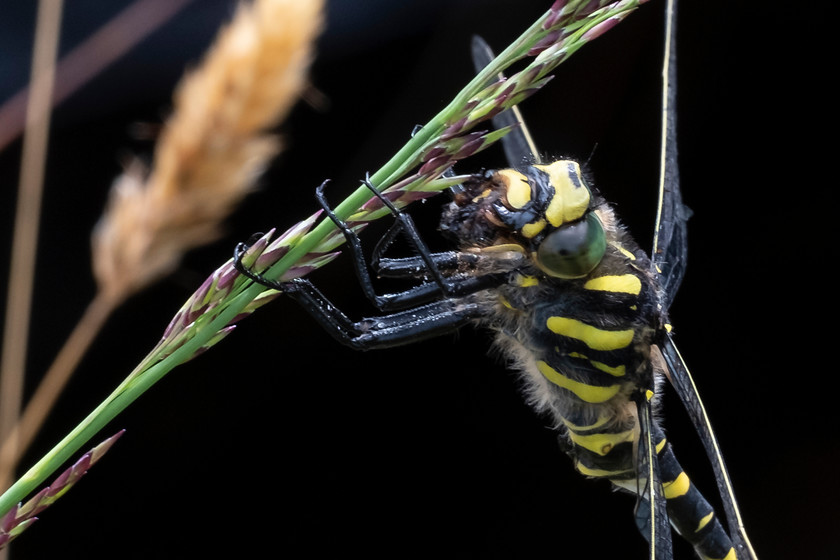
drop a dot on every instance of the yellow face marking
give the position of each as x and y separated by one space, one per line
623 283
484 194
704 522
530 230
677 487
595 338
571 197
518 189
649 394
601 443
587 393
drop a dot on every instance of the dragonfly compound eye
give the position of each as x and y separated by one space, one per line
574 249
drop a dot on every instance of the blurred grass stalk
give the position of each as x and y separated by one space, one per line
226 297
108 43
89 58
209 155
27 222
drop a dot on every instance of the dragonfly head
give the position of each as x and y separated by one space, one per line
546 209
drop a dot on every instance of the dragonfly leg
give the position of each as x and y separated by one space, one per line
385 331
436 266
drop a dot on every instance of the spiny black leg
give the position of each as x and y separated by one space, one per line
355 248
239 252
424 293
400 328
388 239
417 323
354 245
407 226
414 267
413 296
383 244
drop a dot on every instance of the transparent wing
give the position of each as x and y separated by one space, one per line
669 242
669 258
518 145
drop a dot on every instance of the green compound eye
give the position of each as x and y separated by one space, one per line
573 250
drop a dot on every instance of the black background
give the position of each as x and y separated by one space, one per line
280 442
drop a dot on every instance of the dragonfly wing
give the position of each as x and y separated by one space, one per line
669 245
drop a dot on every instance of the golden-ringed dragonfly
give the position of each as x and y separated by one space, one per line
574 303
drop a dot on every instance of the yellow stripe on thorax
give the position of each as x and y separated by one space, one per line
623 251
587 393
615 371
624 283
593 337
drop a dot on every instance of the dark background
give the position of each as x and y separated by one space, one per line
281 440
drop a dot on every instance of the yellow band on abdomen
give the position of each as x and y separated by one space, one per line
676 487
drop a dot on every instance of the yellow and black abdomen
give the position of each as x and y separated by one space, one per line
585 348
578 313
689 511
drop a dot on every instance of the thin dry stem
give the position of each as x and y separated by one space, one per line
92 56
16 330
55 380
208 158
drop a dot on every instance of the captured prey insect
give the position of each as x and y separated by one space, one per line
577 307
